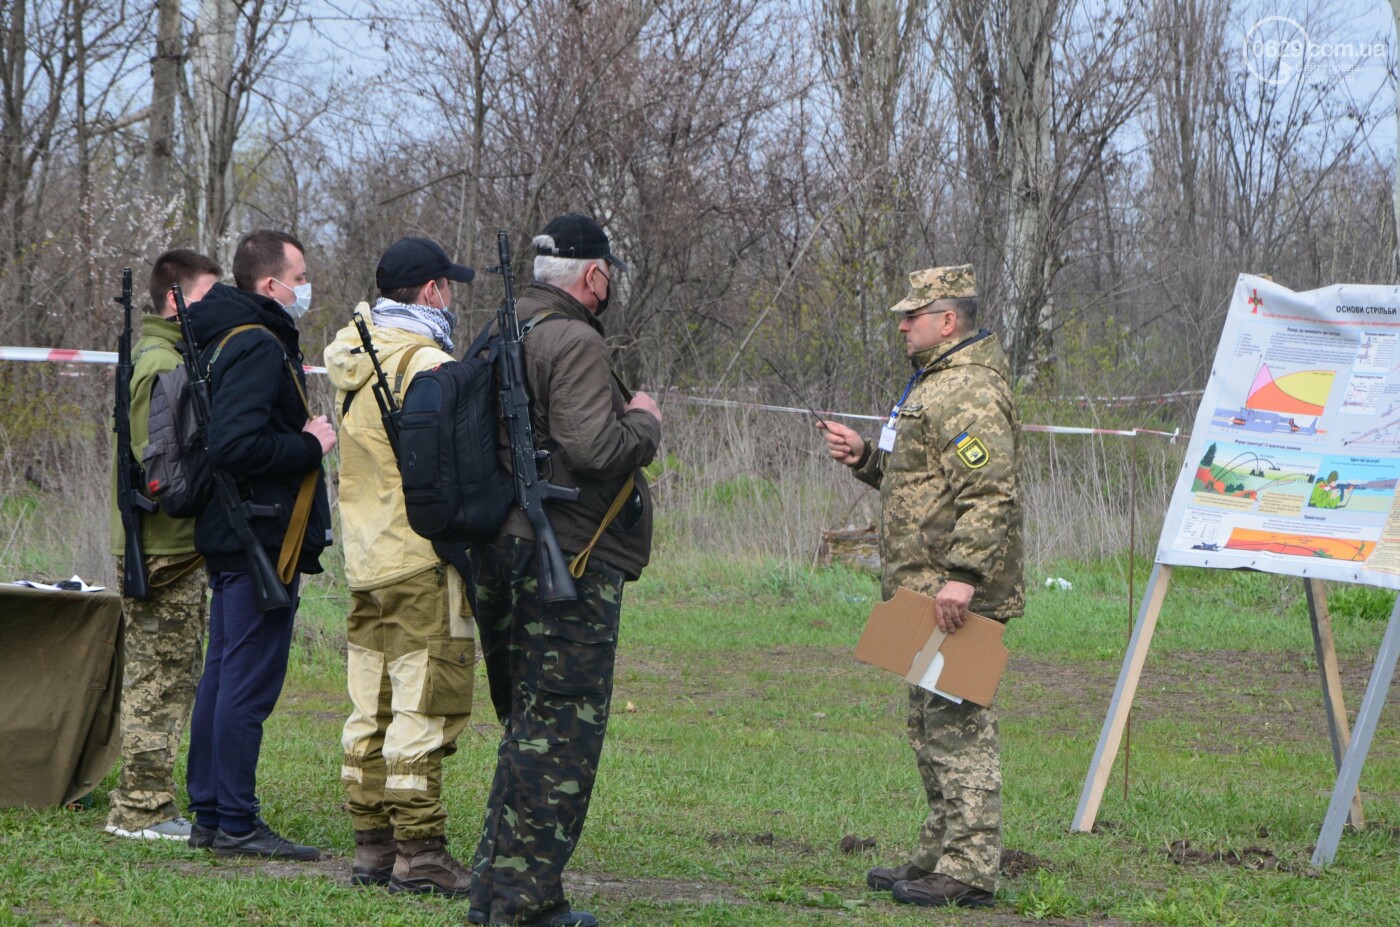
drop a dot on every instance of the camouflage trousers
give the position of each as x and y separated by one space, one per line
560 663
959 756
164 655
411 659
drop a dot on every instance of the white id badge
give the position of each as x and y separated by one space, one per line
887 438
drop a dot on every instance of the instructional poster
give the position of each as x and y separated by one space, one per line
1295 454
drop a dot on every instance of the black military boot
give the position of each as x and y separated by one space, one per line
375 851
938 890
425 867
882 878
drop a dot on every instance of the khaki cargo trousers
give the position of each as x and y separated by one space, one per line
410 670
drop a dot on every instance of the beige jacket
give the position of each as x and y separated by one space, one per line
380 547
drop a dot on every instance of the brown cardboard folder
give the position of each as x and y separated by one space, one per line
902 636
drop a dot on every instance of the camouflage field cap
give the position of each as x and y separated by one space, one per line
937 283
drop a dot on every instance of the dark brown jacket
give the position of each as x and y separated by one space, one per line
578 413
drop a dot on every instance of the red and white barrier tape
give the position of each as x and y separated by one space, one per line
70 356
1116 401
1044 429
58 355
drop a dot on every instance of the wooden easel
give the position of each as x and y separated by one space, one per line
1348 756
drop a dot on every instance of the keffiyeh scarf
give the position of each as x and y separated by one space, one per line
437 324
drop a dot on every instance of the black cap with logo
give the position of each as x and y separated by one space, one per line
415 261
577 236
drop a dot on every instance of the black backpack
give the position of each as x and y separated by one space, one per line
455 489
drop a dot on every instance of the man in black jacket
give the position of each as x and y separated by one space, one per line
263 435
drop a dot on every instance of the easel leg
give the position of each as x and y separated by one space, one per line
1332 702
1112 733
1355 757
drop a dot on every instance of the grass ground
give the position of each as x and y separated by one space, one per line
754 771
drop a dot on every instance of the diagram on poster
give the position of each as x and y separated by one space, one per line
1294 459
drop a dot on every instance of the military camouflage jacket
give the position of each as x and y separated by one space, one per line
950 493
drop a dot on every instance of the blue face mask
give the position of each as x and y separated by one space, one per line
303 300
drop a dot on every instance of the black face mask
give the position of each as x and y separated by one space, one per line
603 303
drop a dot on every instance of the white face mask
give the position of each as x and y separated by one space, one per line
303 300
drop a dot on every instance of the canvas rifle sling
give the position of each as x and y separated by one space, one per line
301 510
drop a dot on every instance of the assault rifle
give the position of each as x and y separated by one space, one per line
388 409
268 591
130 500
531 490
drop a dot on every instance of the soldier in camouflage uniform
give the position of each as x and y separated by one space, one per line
165 633
946 465
558 660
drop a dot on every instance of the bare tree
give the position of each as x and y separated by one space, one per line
167 69
1048 86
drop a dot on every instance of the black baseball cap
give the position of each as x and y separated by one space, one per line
415 261
577 236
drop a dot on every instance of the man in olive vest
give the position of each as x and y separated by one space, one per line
164 633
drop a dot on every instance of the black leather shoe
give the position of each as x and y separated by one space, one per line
938 890
262 842
882 878
476 916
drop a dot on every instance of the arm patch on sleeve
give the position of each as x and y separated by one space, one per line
972 451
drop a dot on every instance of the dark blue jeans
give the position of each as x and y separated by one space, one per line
244 668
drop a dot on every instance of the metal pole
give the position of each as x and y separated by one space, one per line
1349 778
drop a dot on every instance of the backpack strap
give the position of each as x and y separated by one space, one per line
401 371
237 329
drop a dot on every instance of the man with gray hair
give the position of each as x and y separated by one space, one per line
551 667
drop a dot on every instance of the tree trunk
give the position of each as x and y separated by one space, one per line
212 121
1395 177
1028 253
165 86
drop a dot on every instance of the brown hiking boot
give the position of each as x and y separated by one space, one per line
374 857
425 867
882 878
938 890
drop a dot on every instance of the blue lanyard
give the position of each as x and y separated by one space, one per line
908 388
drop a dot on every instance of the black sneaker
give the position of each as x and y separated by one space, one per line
561 915
262 842
201 837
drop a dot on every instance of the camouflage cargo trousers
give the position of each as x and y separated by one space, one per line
560 662
410 664
959 757
164 655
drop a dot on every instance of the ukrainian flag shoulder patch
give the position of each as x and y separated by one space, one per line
972 451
